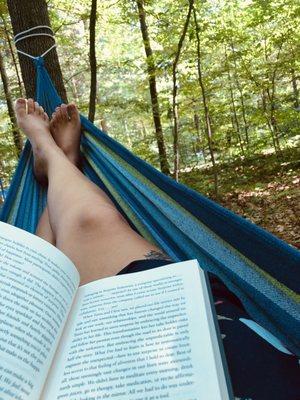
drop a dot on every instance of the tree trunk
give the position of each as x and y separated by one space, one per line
209 132
199 138
2 196
7 35
93 61
273 119
236 124
175 92
144 130
104 126
237 82
16 133
25 15
272 97
151 68
127 134
266 114
295 90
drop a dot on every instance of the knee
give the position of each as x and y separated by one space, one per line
87 220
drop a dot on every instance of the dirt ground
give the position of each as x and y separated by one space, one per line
265 190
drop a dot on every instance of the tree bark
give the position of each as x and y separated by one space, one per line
93 61
25 15
103 125
15 132
209 131
8 38
238 85
233 107
175 92
2 196
272 98
295 90
151 68
199 138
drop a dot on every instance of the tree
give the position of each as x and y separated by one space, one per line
93 61
236 122
209 132
175 90
9 42
25 15
295 89
15 132
151 69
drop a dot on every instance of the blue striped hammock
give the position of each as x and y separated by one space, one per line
260 269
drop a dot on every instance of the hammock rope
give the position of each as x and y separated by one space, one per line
19 37
260 269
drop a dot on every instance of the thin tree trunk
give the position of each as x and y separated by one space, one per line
238 85
8 39
73 86
175 92
273 119
199 138
25 15
103 126
209 131
272 98
151 68
144 130
15 132
93 61
233 107
266 114
127 134
295 90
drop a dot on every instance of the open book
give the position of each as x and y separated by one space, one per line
141 336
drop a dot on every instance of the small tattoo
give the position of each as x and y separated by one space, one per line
157 255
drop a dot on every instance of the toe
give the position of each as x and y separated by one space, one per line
41 110
72 111
30 106
46 118
57 114
36 108
20 107
63 110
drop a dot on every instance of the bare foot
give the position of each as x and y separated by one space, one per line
65 128
34 122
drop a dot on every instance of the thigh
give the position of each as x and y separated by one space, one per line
104 244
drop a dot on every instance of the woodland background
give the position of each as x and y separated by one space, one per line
208 91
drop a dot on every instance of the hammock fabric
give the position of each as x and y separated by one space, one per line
260 269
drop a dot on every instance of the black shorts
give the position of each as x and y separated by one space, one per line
258 370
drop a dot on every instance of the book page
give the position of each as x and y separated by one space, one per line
141 336
37 287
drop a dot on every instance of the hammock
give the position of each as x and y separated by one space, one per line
260 269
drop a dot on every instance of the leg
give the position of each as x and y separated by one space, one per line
86 225
44 229
66 133
91 232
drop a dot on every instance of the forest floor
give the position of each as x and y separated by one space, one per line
263 189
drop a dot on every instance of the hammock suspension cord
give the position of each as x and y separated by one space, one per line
18 38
